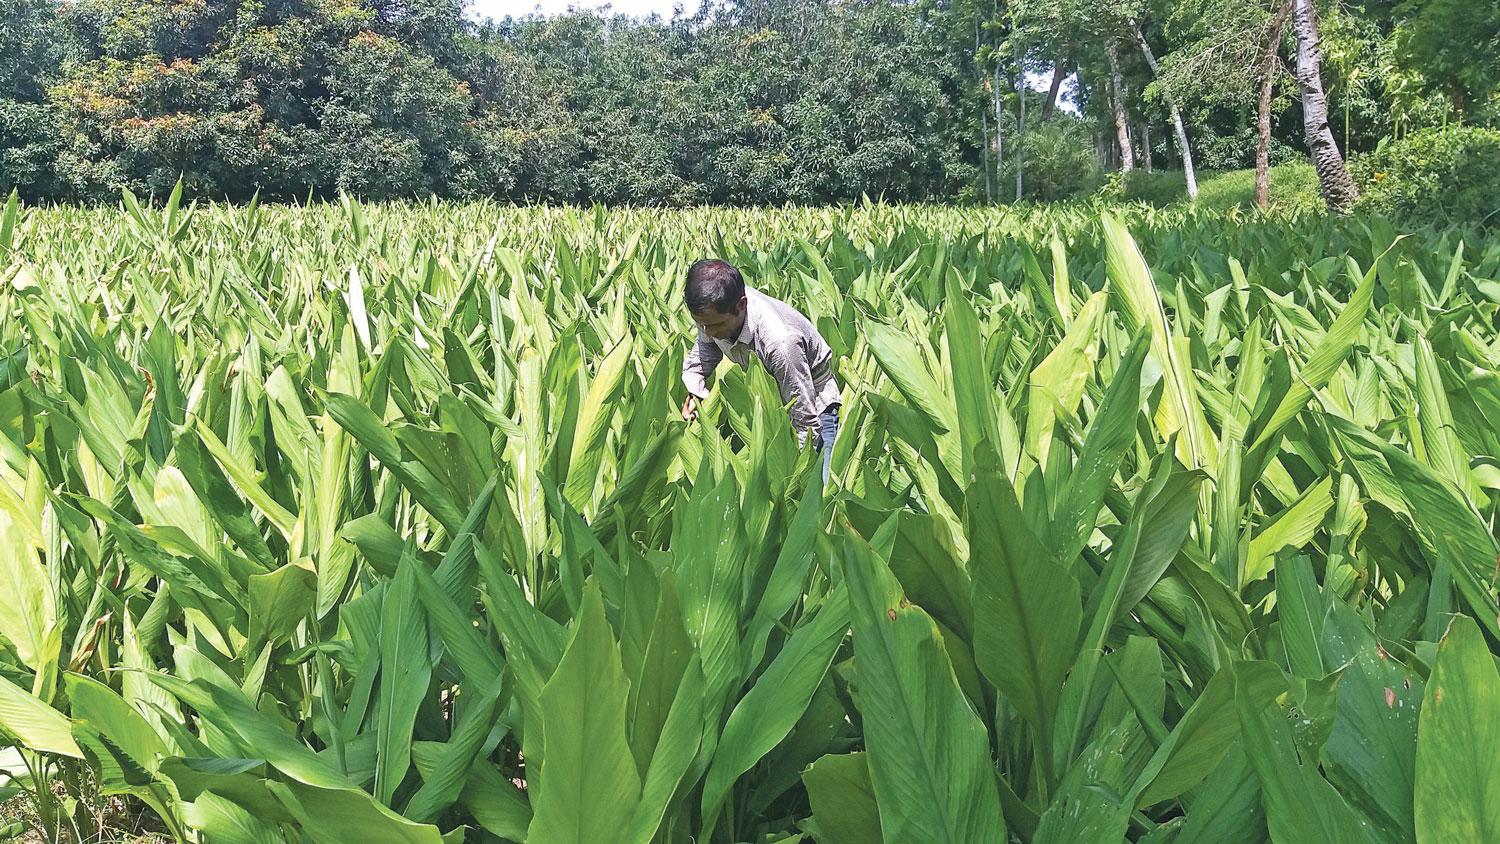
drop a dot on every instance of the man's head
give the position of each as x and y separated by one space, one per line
715 295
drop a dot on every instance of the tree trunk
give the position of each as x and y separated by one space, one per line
984 154
1460 99
1117 105
984 126
1268 67
1059 72
999 128
1020 133
1146 145
1338 188
1262 142
1182 139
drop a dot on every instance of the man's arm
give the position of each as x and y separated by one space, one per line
788 364
701 361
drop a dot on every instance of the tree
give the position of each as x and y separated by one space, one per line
1059 73
1172 107
1268 69
1117 107
223 96
1107 21
1338 188
33 55
1230 52
1455 45
393 122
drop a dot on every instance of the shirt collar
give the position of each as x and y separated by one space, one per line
747 331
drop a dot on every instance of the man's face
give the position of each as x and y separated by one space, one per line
722 326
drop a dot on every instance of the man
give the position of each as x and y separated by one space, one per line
741 321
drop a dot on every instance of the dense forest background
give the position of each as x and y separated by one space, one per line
744 101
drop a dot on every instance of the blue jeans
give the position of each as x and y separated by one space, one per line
828 429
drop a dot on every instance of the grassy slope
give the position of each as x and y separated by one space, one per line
1293 187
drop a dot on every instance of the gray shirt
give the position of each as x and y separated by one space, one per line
789 346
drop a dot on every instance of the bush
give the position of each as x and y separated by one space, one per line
1159 188
1218 152
1437 175
1060 162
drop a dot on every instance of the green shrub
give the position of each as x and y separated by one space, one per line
1154 187
1437 175
1059 160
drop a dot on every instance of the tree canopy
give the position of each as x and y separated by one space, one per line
744 101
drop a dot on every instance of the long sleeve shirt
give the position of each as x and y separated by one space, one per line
787 344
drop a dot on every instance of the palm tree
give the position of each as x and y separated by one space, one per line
1338 188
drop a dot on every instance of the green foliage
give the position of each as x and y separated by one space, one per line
734 105
1294 187
1455 45
1059 162
386 515
384 100
29 142
1435 175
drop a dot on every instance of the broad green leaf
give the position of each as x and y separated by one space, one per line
245 481
221 819
843 801
1226 809
927 749
443 785
1027 610
593 423
1292 528
1321 364
788 574
1056 386
26 612
1446 521
1089 806
251 734
1370 755
97 705
367 429
496 804
1198 743
279 601
588 787
1301 806
892 348
1140 304
476 659
767 713
709 552
405 672
1303 613
972 389
1111 432
346 816
1458 742
679 740
34 724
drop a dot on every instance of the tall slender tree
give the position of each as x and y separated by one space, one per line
1059 73
1338 188
1178 126
1270 64
1117 107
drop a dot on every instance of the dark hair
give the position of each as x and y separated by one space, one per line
712 283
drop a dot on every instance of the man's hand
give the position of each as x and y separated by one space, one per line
690 408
